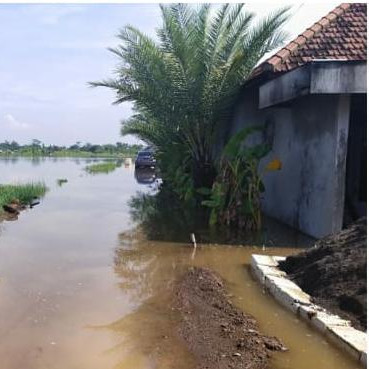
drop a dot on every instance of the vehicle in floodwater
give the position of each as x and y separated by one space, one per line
145 158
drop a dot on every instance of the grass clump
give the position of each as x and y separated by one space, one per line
106 167
61 181
22 193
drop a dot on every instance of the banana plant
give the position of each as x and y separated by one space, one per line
235 196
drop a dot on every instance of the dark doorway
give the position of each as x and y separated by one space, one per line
355 198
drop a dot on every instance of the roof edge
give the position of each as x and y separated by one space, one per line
272 63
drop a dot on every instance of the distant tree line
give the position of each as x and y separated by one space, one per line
38 148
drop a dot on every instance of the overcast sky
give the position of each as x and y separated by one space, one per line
50 51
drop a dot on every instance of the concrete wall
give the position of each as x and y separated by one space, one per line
318 77
309 136
334 77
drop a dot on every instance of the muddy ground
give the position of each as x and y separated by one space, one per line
217 333
11 211
334 273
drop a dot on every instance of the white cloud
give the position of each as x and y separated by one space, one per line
12 123
52 14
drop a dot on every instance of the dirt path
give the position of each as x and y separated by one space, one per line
217 333
334 273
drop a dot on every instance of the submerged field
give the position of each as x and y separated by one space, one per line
81 287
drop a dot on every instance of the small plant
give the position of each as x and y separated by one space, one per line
102 167
22 194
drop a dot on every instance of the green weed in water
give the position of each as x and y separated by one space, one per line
24 193
61 181
106 167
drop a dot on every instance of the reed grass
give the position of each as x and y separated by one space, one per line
24 193
105 167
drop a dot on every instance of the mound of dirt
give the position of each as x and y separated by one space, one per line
217 333
334 273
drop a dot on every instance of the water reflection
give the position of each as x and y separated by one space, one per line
145 175
37 160
163 217
145 267
9 160
147 337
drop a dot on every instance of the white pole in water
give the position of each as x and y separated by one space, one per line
193 240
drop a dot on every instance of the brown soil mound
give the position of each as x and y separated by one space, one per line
217 333
334 273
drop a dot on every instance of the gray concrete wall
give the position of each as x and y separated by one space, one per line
338 77
309 136
318 77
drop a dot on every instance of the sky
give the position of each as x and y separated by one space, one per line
49 53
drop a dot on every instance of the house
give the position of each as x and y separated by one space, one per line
311 97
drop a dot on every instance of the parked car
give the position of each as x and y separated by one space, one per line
145 158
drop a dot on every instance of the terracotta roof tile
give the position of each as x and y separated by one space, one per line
284 53
274 60
301 40
344 6
337 11
324 22
307 34
316 27
341 34
292 46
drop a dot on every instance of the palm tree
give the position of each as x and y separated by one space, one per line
184 86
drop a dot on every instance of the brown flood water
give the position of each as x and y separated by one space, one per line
80 289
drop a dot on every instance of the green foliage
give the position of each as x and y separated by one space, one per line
102 167
183 88
235 195
24 193
176 172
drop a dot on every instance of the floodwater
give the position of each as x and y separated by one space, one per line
82 288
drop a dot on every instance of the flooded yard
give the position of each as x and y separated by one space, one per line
82 288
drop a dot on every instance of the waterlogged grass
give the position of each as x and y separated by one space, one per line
61 181
106 167
24 193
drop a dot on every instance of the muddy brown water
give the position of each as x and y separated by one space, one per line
80 288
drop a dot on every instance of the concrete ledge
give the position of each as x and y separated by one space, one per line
289 294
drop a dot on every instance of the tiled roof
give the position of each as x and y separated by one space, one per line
340 35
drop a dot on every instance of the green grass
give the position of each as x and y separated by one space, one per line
25 193
106 167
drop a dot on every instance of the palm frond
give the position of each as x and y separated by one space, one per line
183 87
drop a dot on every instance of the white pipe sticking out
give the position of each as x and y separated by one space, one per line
193 240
